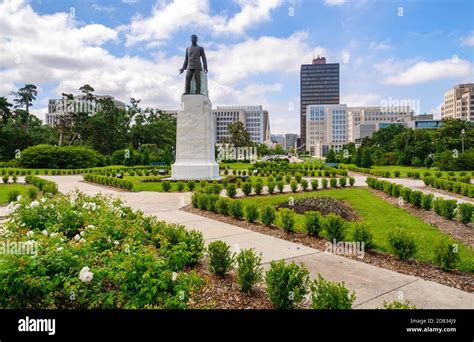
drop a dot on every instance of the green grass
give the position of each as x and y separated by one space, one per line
381 217
404 169
237 166
6 188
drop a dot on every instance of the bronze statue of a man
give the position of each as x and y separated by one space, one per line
192 63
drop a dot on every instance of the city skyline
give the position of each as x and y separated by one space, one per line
386 51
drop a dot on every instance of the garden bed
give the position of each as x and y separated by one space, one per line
223 293
325 205
456 229
460 280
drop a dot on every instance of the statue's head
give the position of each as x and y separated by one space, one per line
194 39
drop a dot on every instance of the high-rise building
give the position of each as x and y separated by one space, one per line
326 128
459 103
278 139
78 104
373 115
319 84
290 140
332 126
254 118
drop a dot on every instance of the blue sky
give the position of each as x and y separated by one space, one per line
398 50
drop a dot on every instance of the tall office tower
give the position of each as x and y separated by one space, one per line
459 103
290 140
319 84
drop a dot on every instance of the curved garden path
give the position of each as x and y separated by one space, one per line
372 284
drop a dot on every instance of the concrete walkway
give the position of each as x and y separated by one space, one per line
372 284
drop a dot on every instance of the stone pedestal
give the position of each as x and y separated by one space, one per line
195 140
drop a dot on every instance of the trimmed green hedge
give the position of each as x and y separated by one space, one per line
110 181
457 187
443 207
46 186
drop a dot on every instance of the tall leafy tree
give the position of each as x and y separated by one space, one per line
87 91
24 98
239 137
5 109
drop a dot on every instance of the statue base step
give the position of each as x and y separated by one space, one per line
195 140
193 171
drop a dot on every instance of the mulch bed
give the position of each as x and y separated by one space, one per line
223 293
325 205
458 230
460 280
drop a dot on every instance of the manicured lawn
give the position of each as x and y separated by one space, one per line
380 216
6 188
237 166
404 169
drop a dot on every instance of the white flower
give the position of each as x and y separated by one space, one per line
82 233
44 232
53 234
18 199
91 226
34 204
89 206
59 249
82 240
30 233
174 276
86 275
43 199
77 237
23 224
61 239
116 242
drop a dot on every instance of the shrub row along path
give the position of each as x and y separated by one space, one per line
372 284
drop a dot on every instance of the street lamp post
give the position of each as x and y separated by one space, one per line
462 139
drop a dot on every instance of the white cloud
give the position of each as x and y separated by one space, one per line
334 2
52 49
427 71
468 40
100 8
251 13
436 111
55 50
360 100
383 45
232 63
169 17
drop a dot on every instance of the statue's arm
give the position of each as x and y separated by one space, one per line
204 60
185 64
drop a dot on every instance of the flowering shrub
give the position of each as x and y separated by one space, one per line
92 252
